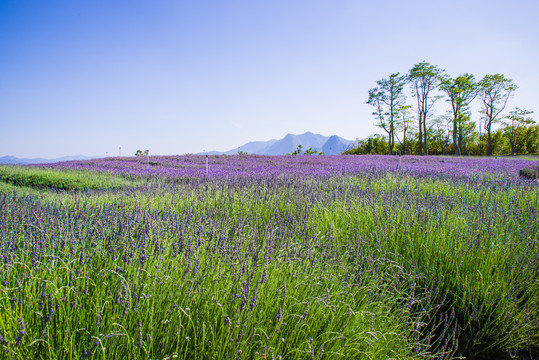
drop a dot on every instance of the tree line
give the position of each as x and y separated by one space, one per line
454 132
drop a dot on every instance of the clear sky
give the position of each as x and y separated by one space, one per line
183 76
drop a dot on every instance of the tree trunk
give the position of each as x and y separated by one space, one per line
420 142
489 138
404 143
512 143
459 140
455 142
489 144
425 133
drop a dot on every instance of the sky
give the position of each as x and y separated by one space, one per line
186 76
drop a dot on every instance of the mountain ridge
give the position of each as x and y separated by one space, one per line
13 160
329 145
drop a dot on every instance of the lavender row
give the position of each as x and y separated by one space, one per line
241 165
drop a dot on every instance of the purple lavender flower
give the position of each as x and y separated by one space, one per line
98 322
3 340
18 339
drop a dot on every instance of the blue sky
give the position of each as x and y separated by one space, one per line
175 77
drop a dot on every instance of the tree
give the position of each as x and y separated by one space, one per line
298 150
494 91
466 133
460 92
515 125
388 99
406 124
142 153
310 151
424 78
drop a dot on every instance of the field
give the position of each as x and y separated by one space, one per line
253 257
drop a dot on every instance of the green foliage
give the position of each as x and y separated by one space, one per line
460 92
39 178
298 150
142 153
499 143
530 173
309 151
424 78
438 143
532 140
374 144
388 101
478 146
514 128
494 92
427 137
406 125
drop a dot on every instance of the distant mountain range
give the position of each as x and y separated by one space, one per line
12 160
329 145
332 145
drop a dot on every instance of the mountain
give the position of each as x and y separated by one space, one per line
291 142
336 145
12 160
332 145
253 147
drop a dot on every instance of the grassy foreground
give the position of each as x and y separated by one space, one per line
375 265
39 178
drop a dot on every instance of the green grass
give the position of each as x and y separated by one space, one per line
40 178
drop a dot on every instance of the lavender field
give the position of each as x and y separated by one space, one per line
255 257
193 166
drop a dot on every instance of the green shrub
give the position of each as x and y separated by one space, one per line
530 173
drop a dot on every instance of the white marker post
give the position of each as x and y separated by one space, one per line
148 159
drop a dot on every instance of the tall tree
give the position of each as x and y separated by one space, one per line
438 135
424 78
460 92
516 122
494 91
387 100
406 124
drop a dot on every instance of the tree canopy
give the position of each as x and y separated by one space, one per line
455 132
